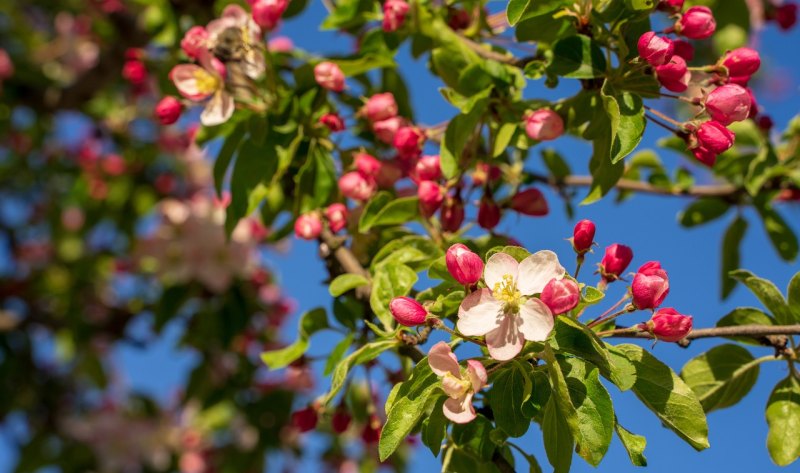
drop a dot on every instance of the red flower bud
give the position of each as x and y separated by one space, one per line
168 110
712 138
114 165
683 49
134 71
406 311
728 103
305 419
195 42
544 125
355 185
431 196
333 121
464 265
340 421
452 215
394 15
615 260
329 76
380 107
765 123
372 430
428 168
674 75
280 44
561 295
786 15
337 216
670 5
530 202
307 227
741 64
367 164
668 325
583 236
696 23
654 49
458 19
650 286
267 13
386 129
485 172
408 142
489 213
6 65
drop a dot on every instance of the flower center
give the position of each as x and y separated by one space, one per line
206 82
506 291
455 387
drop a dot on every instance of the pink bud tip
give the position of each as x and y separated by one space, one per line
583 236
530 202
544 125
307 226
463 264
406 311
168 110
654 49
329 76
696 23
304 420
615 260
561 295
650 286
670 326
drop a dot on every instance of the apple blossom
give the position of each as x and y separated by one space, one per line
235 20
786 15
561 295
195 42
307 226
380 107
683 49
340 420
386 129
712 138
696 23
367 164
668 325
329 76
356 186
674 75
336 214
406 311
530 202
741 63
168 110
583 236
452 213
394 14
464 265
428 168
333 121
506 311
650 286
728 103
280 44
431 196
267 13
654 49
544 125
408 142
616 258
305 419
198 83
489 213
6 65
459 384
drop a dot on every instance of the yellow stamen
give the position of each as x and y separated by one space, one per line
207 83
506 291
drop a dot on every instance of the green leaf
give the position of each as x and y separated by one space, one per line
561 391
367 62
410 403
315 181
503 138
664 393
434 427
337 353
366 353
780 233
474 437
577 57
229 147
545 28
594 409
519 253
556 164
605 173
382 210
346 282
768 294
518 10
793 295
703 210
634 444
558 441
623 371
418 252
311 322
254 164
722 376
745 316
626 116
571 336
731 243
783 418
388 282
510 389
458 132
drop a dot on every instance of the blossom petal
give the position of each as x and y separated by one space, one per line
477 375
218 110
497 266
479 313
460 410
443 360
185 78
505 342
453 387
536 320
537 270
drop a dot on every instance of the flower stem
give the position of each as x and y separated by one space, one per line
599 319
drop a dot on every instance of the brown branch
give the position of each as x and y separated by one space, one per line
768 335
713 190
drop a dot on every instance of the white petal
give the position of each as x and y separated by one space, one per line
477 375
505 342
537 270
536 320
479 313
498 265
443 360
218 110
460 410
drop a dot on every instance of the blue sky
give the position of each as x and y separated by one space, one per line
647 224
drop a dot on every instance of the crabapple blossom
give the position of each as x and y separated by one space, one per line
544 125
337 216
431 196
195 42
712 138
650 286
267 13
561 295
386 129
741 63
654 49
380 107
367 164
394 14
168 110
464 265
406 311
583 236
683 49
356 186
530 202
452 213
333 121
616 258
408 142
674 75
505 311
428 168
668 325
329 76
696 23
459 384
307 226
489 213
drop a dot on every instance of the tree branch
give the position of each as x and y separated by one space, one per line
713 190
768 335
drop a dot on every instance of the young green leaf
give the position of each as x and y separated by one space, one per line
745 316
730 253
577 57
768 294
634 444
722 376
510 389
366 353
783 418
346 282
558 441
703 210
434 427
390 281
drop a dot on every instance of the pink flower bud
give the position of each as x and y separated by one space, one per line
305 419
134 71
561 295
73 218
307 226
386 129
544 125
712 139
615 260
674 75
329 76
337 216
753 103
6 65
372 430
485 172
683 49
464 265
195 42
168 110
670 5
431 196
406 311
741 64
530 202
696 23
355 185
280 44
452 215
380 107
394 14
489 213
458 19
333 121
367 165
786 15
341 420
390 173
668 325
650 286
583 236
267 13
765 123
408 142
728 103
114 165
428 168
654 49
